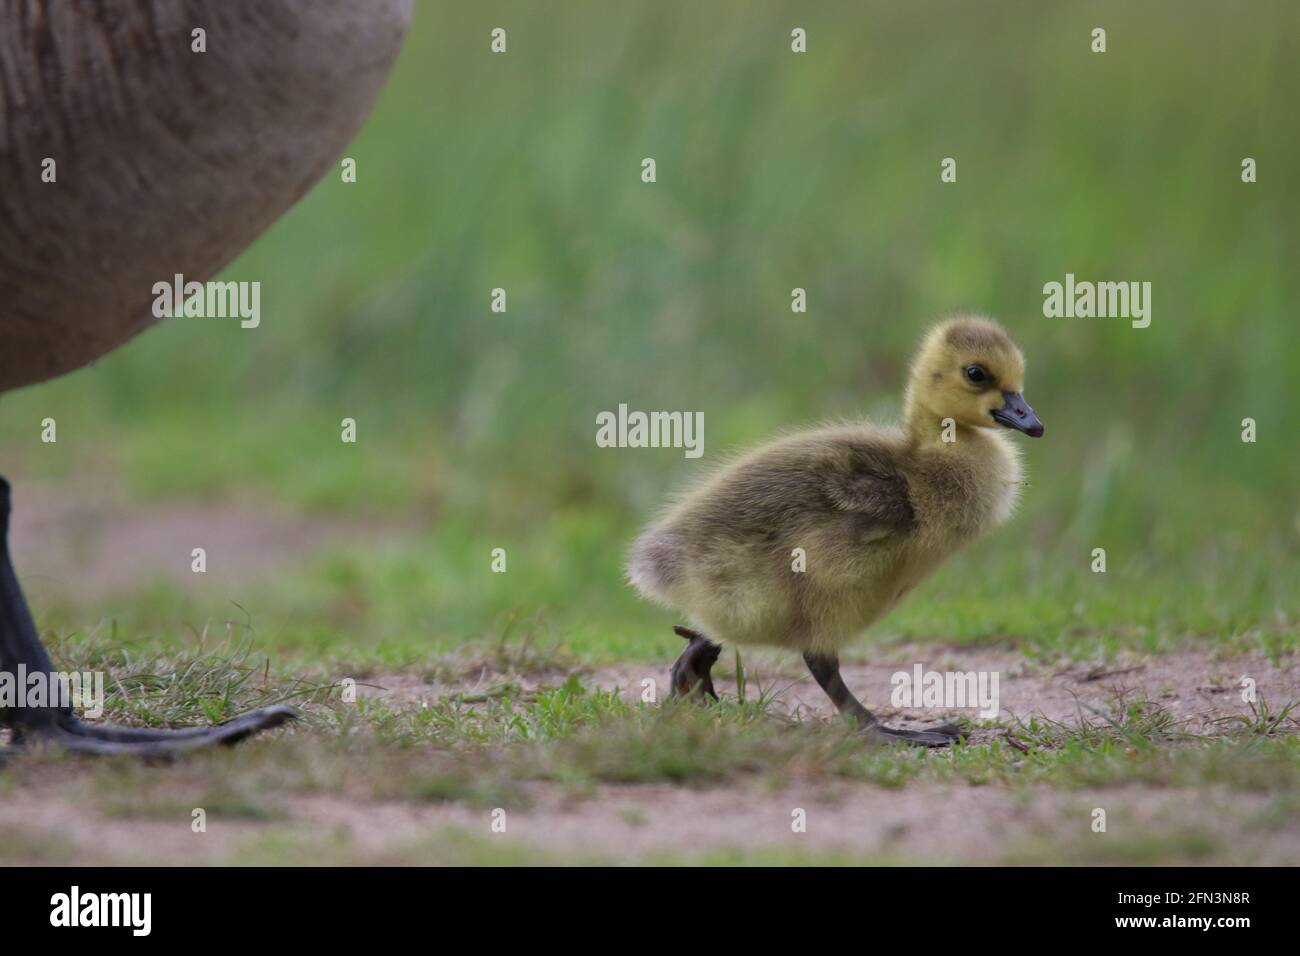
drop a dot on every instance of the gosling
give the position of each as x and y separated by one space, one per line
810 539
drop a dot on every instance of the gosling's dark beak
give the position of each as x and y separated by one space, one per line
1016 414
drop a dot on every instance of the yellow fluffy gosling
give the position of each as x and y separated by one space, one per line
875 509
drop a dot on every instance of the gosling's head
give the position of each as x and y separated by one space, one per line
969 370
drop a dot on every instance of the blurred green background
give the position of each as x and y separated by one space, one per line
775 170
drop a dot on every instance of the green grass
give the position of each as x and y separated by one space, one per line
563 596
218 682
476 746
501 743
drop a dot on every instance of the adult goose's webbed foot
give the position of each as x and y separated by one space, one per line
825 670
66 732
692 674
53 723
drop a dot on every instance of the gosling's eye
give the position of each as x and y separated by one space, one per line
976 375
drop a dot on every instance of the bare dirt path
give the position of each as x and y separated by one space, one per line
1196 686
57 812
83 542
77 544
923 823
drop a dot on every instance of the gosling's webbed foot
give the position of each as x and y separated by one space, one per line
692 674
825 669
72 735
944 736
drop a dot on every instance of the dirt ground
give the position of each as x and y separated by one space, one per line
1196 686
88 541
55 812
922 824
50 818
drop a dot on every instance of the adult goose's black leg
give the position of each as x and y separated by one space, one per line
826 671
20 647
692 674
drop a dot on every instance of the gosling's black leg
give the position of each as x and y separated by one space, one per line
826 671
56 725
692 675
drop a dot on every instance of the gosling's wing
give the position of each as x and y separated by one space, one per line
862 479
841 482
